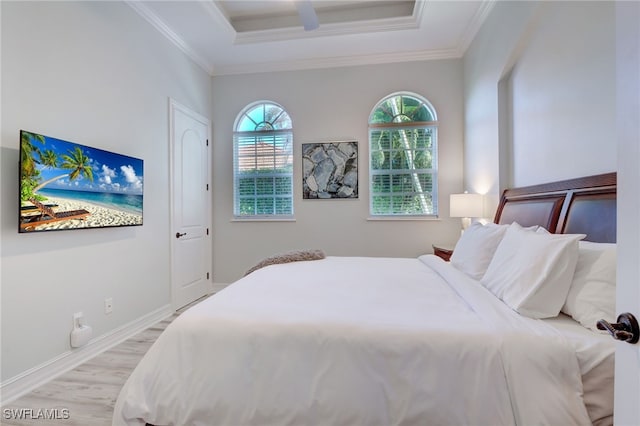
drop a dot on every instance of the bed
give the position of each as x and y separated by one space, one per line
500 335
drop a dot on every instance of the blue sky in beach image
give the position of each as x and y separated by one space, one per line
111 172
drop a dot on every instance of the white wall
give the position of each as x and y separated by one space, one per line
484 66
539 88
563 95
94 73
326 104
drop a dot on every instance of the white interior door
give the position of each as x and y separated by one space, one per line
191 205
627 379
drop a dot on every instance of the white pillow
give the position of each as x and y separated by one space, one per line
592 295
475 248
531 271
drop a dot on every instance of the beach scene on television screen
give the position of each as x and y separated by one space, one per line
64 185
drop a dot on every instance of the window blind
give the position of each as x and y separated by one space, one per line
263 173
403 170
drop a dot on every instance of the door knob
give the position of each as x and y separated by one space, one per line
626 329
178 235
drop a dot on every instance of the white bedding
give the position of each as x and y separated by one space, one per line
596 355
373 341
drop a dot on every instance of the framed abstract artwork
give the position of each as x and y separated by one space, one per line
330 170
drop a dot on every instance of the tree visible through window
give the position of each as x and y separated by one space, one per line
403 157
263 161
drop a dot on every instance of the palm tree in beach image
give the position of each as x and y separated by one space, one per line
78 165
75 160
29 172
29 150
49 159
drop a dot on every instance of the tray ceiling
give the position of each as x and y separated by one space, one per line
245 36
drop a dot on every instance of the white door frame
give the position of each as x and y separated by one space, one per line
173 107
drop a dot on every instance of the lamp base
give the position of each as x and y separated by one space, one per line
466 222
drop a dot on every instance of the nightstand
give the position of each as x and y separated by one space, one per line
443 251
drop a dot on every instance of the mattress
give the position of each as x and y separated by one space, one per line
373 341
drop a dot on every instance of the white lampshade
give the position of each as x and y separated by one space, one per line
466 205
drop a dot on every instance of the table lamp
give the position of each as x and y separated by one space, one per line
466 206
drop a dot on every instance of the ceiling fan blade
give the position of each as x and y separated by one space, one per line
307 14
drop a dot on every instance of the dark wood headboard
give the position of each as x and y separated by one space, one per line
576 206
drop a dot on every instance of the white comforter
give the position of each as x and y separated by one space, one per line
355 341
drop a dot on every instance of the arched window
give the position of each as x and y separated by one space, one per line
403 165
263 161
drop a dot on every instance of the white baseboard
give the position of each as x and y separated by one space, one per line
215 287
17 386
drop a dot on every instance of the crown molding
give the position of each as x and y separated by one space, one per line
418 10
220 19
164 29
475 25
326 30
219 16
342 61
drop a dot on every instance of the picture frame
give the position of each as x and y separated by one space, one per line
330 170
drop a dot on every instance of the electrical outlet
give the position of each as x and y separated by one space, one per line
108 305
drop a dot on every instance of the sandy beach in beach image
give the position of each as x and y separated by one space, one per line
98 216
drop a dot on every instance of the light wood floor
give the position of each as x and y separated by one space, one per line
89 391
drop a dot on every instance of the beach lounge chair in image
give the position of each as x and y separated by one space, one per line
32 209
47 215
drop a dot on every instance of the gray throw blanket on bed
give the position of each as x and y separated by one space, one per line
292 256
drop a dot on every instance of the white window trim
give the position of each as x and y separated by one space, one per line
279 218
426 218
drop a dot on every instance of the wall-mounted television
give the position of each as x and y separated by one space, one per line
65 185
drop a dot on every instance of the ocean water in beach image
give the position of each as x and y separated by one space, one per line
130 203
